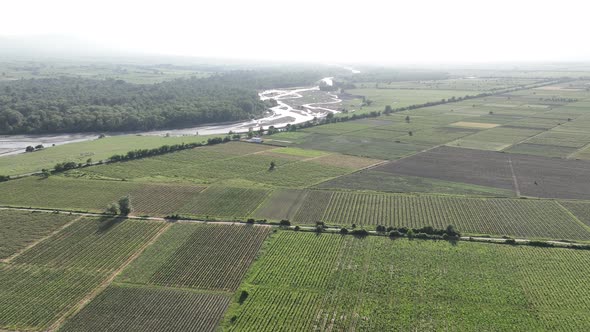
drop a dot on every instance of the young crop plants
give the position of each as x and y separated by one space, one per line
204 256
313 207
162 199
124 308
337 282
224 202
64 193
281 205
298 174
92 244
32 297
23 228
523 218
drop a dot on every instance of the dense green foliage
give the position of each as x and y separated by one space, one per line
81 105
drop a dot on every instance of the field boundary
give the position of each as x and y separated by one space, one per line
89 297
571 214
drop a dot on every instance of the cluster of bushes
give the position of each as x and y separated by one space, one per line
31 148
252 221
426 232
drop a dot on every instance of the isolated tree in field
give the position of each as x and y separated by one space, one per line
125 205
29 149
410 133
407 118
272 166
112 209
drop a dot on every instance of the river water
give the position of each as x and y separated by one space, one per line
279 116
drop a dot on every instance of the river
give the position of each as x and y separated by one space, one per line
287 111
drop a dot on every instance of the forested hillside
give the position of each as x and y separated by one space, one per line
78 105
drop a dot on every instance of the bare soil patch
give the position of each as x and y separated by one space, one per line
478 125
537 176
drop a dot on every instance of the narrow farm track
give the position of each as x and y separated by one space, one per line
57 324
514 179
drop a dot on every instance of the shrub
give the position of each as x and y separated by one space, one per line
359 232
395 234
343 231
243 296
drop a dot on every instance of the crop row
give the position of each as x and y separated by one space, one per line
146 309
313 207
225 201
205 256
162 200
336 282
31 297
99 245
21 228
525 218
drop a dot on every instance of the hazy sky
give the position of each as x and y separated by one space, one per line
318 30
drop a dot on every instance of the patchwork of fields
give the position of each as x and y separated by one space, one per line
339 282
502 165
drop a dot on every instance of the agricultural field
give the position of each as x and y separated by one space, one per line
60 271
505 165
21 229
371 180
100 245
531 175
203 256
342 283
225 202
124 308
468 83
397 97
98 149
281 205
580 209
313 207
494 216
58 192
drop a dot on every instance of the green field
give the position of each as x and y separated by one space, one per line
335 282
124 308
98 149
189 255
494 216
21 229
57 273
